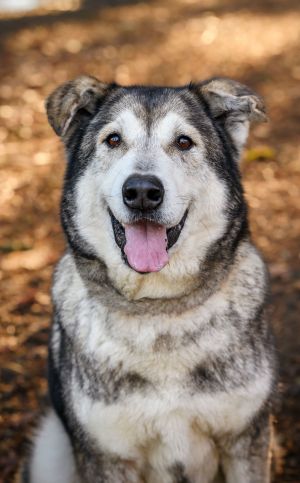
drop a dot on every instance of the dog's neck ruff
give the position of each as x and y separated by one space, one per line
94 276
212 273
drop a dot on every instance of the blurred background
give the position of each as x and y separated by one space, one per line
44 43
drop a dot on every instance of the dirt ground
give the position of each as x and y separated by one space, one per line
156 42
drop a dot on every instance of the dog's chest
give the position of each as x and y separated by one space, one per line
154 413
134 394
158 428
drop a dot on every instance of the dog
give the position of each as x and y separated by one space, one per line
162 366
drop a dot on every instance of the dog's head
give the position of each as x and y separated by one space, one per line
152 181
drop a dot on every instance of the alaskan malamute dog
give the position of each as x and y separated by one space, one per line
161 361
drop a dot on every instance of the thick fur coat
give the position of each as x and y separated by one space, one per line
166 376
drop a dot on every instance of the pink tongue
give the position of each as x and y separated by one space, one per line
146 246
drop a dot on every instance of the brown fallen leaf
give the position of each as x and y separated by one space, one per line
30 260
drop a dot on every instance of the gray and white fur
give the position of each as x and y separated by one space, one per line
168 376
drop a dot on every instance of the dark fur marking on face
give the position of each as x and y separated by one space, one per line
216 136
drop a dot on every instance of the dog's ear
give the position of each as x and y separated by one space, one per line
71 104
234 105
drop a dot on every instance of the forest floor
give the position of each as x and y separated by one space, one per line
157 42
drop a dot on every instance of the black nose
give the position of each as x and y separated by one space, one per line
143 192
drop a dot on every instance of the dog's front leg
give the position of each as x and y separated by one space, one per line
248 458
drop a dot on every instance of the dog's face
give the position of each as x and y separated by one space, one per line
152 180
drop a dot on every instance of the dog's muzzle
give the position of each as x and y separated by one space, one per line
145 243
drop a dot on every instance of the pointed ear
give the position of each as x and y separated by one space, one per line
235 105
71 104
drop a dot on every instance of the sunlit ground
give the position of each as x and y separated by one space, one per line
159 42
36 6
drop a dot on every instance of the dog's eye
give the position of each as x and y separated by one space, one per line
184 143
113 140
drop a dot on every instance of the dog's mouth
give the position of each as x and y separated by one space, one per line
144 244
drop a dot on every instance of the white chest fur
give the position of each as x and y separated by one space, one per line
169 424
170 421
